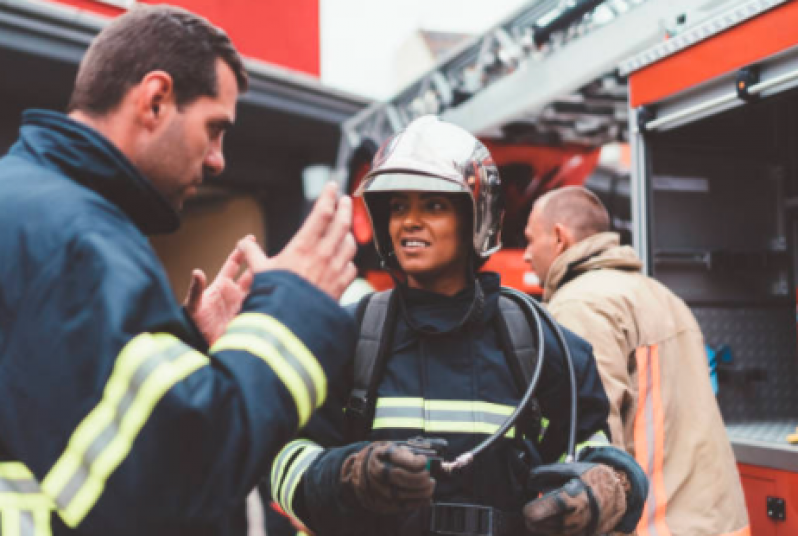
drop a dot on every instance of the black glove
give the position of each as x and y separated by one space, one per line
580 499
386 478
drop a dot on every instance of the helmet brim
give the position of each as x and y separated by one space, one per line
398 182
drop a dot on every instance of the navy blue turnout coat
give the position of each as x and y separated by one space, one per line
454 383
115 419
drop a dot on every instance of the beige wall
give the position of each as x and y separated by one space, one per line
208 234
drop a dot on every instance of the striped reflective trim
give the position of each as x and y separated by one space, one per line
452 416
649 441
146 368
599 439
24 509
282 460
266 338
287 471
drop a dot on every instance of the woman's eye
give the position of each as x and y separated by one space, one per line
396 207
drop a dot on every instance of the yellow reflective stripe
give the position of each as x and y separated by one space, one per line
269 354
454 416
400 402
15 471
281 462
24 521
293 344
41 519
23 507
295 366
10 522
294 476
146 368
440 426
599 439
25 501
444 405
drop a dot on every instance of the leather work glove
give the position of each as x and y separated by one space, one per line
580 499
387 478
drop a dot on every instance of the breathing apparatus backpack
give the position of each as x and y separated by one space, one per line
376 316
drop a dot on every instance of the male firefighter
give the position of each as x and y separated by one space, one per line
115 416
651 358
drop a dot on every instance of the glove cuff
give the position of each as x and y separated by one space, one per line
637 488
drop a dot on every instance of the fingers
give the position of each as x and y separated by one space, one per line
232 265
405 458
403 475
319 218
245 281
195 289
339 227
254 256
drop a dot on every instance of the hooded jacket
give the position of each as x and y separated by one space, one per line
650 353
449 381
115 419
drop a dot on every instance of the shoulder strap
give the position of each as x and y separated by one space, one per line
372 316
520 334
521 352
372 322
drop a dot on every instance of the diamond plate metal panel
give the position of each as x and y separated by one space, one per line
768 431
762 383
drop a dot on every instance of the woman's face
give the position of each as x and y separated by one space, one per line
426 233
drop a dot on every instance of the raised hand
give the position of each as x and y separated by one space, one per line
322 250
213 307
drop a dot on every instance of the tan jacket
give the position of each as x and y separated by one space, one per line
653 364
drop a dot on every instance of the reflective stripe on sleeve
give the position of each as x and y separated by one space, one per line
297 368
452 416
24 509
287 471
146 368
599 439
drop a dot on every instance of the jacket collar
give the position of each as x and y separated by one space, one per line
84 155
437 313
599 251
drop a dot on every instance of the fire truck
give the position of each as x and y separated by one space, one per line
704 96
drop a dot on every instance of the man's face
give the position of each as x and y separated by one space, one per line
188 146
425 233
542 245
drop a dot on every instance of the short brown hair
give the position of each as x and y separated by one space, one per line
578 209
150 38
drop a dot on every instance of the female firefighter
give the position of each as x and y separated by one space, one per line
441 363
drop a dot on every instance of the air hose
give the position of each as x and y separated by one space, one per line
533 311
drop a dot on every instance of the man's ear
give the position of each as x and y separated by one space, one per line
563 236
156 98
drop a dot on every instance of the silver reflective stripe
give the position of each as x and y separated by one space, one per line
26 486
280 465
293 475
146 369
27 526
285 353
447 415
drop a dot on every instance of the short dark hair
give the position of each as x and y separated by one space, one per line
150 38
577 208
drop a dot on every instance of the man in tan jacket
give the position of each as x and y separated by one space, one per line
650 353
